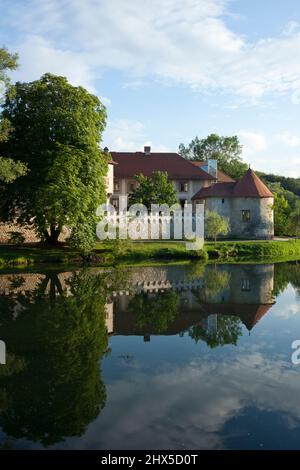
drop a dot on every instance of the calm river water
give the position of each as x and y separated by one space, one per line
175 357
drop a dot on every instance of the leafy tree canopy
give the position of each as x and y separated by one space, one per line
228 331
155 313
9 169
155 189
288 183
286 207
56 132
226 150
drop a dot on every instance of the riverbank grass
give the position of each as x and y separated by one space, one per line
109 253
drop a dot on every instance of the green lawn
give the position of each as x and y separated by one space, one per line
152 252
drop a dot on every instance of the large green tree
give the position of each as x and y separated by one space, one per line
56 132
155 189
9 169
226 150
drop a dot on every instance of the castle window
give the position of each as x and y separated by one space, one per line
115 202
131 186
183 186
116 186
246 215
223 200
245 285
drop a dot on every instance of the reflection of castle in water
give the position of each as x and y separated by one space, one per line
242 291
202 296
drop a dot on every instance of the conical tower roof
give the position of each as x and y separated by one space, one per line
250 185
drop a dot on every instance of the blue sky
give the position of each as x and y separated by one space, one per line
169 70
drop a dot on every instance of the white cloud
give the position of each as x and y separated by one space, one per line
128 136
38 56
253 141
291 27
188 43
124 135
289 139
254 145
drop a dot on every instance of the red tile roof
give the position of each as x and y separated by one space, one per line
216 190
249 314
250 319
222 177
248 186
130 164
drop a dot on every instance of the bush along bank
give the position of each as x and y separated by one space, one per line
256 251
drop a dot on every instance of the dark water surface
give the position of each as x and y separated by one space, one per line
185 357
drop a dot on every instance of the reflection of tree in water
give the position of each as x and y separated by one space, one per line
156 311
228 331
228 328
57 390
285 274
215 280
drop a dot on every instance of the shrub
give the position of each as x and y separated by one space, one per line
215 225
21 260
119 247
199 254
16 238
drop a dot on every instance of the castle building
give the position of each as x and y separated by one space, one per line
247 203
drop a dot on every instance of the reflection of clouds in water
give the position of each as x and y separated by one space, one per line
288 305
288 311
187 407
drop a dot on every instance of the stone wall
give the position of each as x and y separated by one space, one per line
261 224
30 235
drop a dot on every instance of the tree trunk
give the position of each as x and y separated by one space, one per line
52 238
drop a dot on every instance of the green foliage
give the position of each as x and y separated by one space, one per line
295 219
228 331
285 274
119 248
215 225
9 169
58 390
226 150
83 237
16 238
215 281
20 261
8 61
281 214
255 250
155 312
286 204
56 133
199 255
155 189
289 184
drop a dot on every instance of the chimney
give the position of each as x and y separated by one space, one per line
147 150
